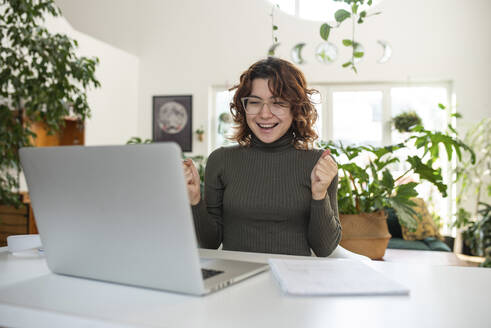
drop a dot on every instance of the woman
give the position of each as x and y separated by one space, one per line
272 193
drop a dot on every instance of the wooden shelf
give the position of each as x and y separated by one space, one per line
72 134
21 221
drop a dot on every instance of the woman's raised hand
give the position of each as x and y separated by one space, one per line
322 175
192 181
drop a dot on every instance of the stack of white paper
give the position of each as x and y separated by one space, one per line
332 277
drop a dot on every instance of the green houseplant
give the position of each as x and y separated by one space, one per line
41 80
477 235
358 16
406 120
368 186
475 182
474 178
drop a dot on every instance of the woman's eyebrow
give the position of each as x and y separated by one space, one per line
272 97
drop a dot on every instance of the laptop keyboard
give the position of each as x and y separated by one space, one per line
208 273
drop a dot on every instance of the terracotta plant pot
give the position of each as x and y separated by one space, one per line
365 233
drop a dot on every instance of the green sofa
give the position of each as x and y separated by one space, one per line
397 242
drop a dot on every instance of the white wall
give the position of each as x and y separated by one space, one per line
111 21
114 104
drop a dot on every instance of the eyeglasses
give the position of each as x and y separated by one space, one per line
253 105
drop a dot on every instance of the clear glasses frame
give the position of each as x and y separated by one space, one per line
254 105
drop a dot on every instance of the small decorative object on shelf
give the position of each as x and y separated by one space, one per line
200 132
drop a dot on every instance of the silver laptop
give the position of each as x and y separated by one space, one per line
121 214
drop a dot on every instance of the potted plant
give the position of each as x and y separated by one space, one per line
42 80
477 234
406 120
367 185
200 133
475 182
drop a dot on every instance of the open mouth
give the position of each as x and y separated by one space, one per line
268 126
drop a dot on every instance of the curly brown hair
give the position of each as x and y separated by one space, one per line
287 82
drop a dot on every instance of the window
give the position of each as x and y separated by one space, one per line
357 117
221 118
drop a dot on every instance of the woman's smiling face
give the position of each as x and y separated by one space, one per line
265 125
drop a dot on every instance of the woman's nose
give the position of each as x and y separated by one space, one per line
265 111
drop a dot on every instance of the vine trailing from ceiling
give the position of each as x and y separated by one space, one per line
357 17
274 33
41 80
357 14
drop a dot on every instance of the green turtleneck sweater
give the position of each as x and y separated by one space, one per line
259 199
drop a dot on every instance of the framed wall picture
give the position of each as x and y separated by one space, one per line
172 120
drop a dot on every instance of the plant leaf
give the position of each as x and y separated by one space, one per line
272 49
387 179
341 15
451 128
347 42
428 173
405 214
324 31
356 171
407 190
354 8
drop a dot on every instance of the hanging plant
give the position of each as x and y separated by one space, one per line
225 118
405 121
357 18
274 31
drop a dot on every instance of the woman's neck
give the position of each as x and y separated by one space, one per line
283 143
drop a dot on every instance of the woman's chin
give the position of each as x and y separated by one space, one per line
268 137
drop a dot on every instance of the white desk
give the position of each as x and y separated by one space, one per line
441 296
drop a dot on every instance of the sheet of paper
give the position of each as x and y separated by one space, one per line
333 277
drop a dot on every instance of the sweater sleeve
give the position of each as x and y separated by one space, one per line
207 214
324 230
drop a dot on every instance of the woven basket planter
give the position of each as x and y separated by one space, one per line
365 233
